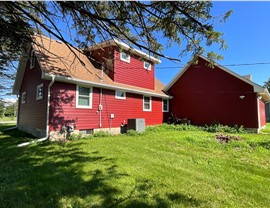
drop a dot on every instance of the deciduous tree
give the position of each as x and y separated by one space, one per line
146 25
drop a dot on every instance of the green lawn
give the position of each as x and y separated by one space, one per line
4 119
161 168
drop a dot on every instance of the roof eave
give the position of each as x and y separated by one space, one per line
102 85
124 46
21 70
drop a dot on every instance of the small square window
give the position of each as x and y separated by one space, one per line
32 59
125 57
147 103
39 94
120 95
23 99
147 65
165 105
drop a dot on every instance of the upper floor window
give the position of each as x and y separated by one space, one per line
125 57
39 93
23 99
84 97
165 105
120 95
147 103
147 65
32 59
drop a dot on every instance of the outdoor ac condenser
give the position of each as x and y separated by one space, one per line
137 124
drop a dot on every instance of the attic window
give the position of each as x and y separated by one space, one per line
32 59
39 94
23 99
125 57
147 65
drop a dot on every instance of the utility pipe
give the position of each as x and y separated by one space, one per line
47 118
100 107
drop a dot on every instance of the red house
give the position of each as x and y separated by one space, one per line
217 95
96 89
103 86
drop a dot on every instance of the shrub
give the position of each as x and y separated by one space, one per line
75 137
102 134
223 128
132 132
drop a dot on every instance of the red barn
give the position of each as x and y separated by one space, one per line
217 95
96 89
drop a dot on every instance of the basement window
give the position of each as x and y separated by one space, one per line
39 93
86 131
23 99
32 59
120 95
147 103
84 97
125 57
165 105
147 65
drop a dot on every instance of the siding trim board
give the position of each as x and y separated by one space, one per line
102 85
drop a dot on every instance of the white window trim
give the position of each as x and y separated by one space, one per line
37 97
23 100
149 68
121 98
150 104
90 97
163 105
125 60
32 59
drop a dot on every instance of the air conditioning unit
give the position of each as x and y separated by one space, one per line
137 124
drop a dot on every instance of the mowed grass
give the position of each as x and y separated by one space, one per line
161 168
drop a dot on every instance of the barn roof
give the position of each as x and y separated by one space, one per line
57 59
261 91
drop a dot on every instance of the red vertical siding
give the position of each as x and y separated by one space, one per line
33 112
63 109
206 96
133 73
262 113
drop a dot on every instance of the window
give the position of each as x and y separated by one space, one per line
125 57
23 99
165 105
32 59
39 93
147 65
120 95
86 131
147 103
84 97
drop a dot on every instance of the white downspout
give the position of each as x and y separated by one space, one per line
47 118
100 108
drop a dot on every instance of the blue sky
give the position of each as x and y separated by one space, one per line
247 34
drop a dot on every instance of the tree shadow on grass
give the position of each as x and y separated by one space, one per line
65 175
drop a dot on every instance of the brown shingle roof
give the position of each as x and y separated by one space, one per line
55 58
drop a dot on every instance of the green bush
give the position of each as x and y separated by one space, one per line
102 134
224 128
75 137
132 132
184 127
